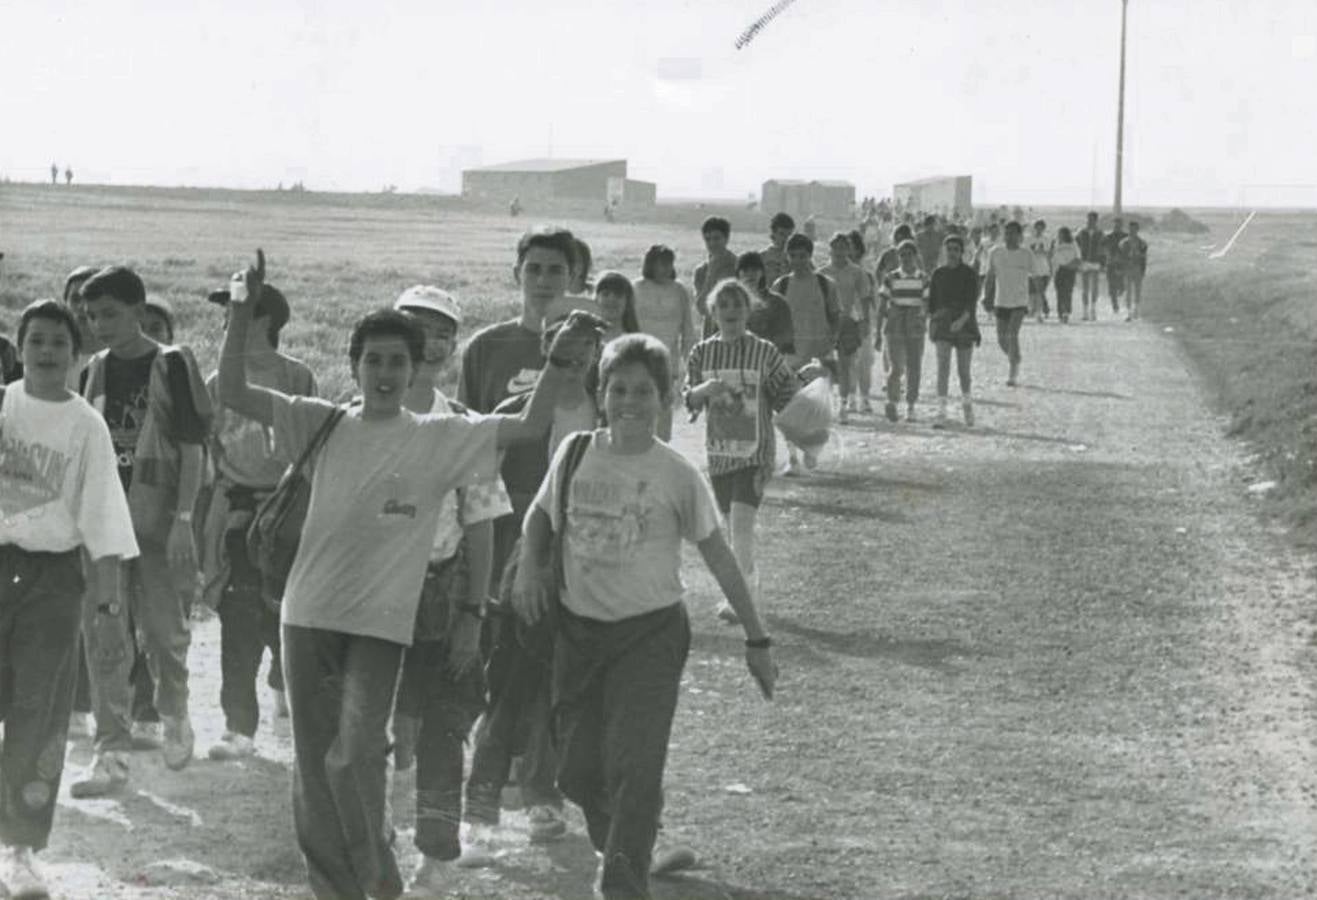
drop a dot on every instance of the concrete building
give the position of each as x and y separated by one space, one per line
594 181
947 195
801 199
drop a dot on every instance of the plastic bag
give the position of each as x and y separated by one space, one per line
806 421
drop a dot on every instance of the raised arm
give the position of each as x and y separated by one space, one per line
571 352
235 392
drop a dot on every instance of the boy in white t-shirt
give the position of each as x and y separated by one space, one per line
60 497
1010 268
349 609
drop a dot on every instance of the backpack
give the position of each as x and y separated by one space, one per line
276 528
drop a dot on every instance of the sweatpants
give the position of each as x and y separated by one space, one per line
247 627
905 333
446 707
40 614
340 694
615 691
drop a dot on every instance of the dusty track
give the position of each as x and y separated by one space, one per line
1055 655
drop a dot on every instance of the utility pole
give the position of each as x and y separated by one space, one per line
1120 110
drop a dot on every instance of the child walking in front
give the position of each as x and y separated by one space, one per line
623 632
739 380
953 325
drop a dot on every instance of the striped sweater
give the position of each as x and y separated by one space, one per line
739 429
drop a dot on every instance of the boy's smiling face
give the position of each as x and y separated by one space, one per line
440 335
383 373
632 402
800 260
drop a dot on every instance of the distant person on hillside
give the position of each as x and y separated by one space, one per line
854 298
906 295
1040 245
774 255
770 316
1065 263
1091 259
68 175
1009 269
615 300
1134 265
665 309
515 207
953 325
719 263
54 174
1111 256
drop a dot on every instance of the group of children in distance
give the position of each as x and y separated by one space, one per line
510 556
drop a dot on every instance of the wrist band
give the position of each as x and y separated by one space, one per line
762 643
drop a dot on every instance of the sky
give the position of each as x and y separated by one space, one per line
346 95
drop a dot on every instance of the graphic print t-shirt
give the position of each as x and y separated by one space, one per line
126 396
374 512
501 360
627 515
58 486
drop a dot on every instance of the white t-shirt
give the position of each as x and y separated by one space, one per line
626 518
59 480
374 511
1038 246
248 454
667 312
1012 268
480 503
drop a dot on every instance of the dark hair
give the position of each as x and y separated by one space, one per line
1064 236
907 245
800 241
1092 214
119 282
162 309
73 283
584 261
641 348
839 237
716 223
551 330
1013 224
387 323
752 260
930 221
617 283
857 242
656 254
1038 222
52 311
901 233
551 238
954 238
782 220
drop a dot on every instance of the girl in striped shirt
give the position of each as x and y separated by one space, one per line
740 380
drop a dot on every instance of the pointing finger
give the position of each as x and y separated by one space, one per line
260 263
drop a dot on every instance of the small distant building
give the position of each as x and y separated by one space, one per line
945 195
596 181
801 199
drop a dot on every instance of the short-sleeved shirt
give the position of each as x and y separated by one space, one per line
666 311
739 429
904 288
500 360
1111 247
1039 244
59 488
481 502
1012 269
374 511
711 271
1090 244
1134 254
852 289
247 453
627 515
808 300
776 263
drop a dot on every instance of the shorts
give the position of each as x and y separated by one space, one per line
742 486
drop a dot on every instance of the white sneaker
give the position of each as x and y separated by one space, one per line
81 725
19 875
107 775
477 849
232 746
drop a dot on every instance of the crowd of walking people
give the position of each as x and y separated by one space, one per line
500 568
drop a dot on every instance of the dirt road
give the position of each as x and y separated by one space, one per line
1052 656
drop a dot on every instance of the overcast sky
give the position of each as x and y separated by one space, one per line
344 94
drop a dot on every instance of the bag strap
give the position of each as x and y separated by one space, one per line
318 439
578 444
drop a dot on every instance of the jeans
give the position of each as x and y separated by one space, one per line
340 693
615 694
905 332
447 707
40 613
1065 289
247 627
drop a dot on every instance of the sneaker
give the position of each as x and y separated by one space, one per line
967 408
179 741
546 824
148 735
232 746
477 849
107 774
405 731
19 876
890 411
667 860
81 725
727 614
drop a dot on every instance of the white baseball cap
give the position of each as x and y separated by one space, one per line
426 296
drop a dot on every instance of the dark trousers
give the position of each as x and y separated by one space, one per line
40 614
1065 289
615 694
517 721
247 627
340 694
446 708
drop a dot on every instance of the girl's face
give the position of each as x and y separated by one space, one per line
732 315
749 279
909 260
440 335
632 402
383 373
612 305
156 326
664 271
47 354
